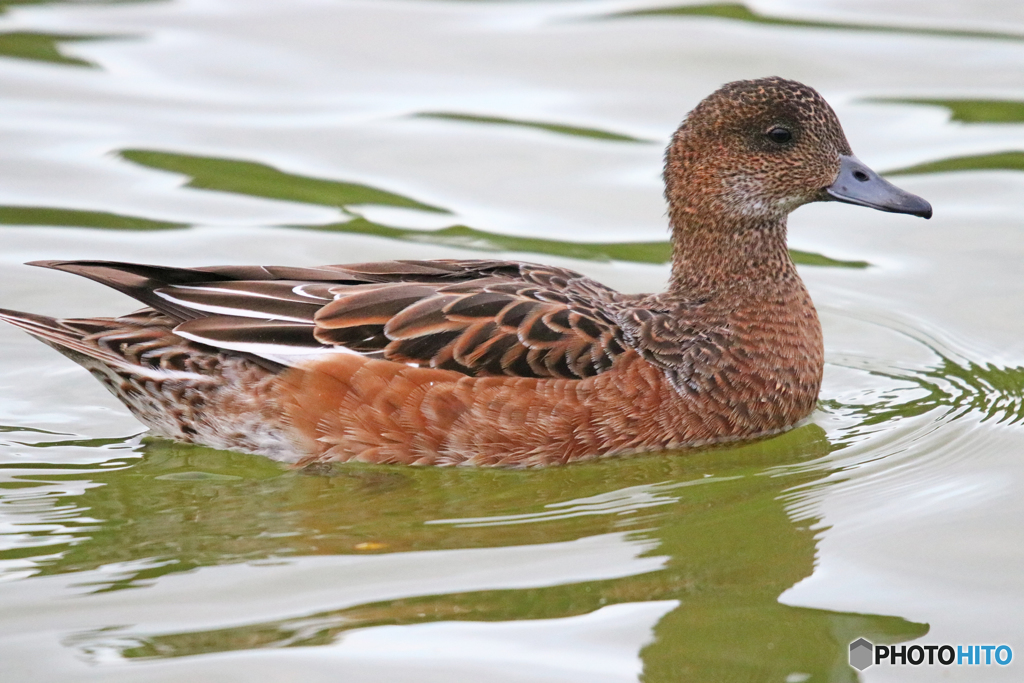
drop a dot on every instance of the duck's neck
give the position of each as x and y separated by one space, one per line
710 256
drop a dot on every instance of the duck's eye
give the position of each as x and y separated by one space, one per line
780 135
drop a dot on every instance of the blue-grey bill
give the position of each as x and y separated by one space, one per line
858 184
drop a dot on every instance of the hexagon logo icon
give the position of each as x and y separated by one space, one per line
861 651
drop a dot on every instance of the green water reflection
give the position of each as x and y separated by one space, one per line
8 4
559 128
971 111
43 47
999 161
259 180
952 388
718 516
76 218
740 12
470 238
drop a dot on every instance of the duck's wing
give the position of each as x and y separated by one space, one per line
480 318
687 341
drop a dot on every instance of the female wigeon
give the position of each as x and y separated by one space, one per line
501 362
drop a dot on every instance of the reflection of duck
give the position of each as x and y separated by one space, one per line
524 552
494 362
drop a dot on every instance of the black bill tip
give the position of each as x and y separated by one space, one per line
858 184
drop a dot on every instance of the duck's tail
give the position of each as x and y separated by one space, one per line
70 337
133 343
170 385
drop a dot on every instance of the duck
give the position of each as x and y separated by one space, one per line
504 363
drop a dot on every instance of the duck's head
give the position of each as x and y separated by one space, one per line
756 150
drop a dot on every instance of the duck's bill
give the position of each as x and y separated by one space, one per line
858 184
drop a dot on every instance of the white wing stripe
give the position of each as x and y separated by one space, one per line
279 353
226 290
225 310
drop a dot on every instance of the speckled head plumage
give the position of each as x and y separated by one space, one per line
757 148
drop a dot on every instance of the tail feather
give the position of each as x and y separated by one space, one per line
67 336
141 343
174 387
138 280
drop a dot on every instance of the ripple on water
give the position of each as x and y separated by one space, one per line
950 384
906 420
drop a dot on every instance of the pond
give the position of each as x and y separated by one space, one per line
302 132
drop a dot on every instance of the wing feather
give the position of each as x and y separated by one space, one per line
481 318
372 304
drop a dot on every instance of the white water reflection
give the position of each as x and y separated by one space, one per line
621 502
324 89
233 596
600 647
